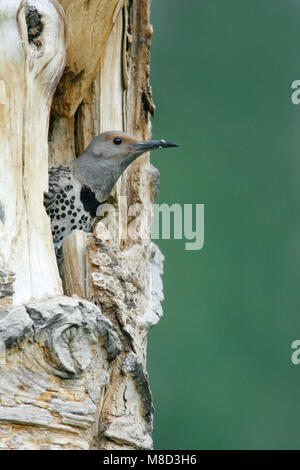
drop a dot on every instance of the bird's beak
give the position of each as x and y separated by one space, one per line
153 144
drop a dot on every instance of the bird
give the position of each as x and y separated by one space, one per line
78 188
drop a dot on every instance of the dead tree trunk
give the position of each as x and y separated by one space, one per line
73 354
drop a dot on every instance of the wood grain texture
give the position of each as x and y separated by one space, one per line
30 74
56 366
73 370
89 24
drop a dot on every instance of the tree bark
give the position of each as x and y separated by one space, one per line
73 352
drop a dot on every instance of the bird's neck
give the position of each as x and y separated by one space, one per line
96 174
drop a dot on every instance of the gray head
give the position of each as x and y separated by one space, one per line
108 155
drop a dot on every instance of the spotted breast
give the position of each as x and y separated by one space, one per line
69 204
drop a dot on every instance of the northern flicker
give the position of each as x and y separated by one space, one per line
78 188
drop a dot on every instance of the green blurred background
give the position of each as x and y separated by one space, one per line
220 359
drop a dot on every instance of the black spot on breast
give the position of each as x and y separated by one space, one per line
89 201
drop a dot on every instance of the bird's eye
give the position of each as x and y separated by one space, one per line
117 141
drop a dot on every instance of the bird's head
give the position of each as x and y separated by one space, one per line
119 148
109 154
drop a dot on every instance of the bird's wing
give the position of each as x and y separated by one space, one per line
59 179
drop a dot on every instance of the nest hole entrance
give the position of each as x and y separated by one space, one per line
34 25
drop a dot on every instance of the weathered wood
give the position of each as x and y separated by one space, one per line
73 372
89 25
128 289
122 278
57 361
29 72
